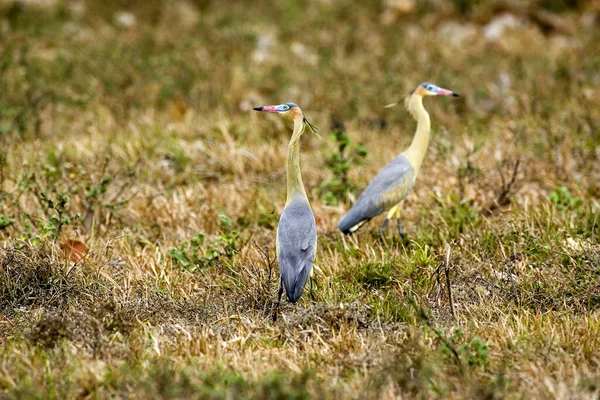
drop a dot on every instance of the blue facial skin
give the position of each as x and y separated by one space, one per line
427 86
430 86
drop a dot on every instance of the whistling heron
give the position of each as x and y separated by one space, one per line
391 185
297 229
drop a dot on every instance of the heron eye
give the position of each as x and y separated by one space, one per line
286 107
430 88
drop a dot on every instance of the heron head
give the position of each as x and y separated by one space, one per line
288 110
429 89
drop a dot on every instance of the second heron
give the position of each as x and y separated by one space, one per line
391 185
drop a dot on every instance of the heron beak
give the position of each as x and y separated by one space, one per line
446 92
271 109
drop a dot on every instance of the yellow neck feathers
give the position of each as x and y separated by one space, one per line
416 151
294 178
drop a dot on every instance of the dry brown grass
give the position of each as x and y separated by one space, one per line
148 132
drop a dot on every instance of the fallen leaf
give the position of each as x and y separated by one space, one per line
74 249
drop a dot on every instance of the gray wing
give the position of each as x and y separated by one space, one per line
296 246
388 188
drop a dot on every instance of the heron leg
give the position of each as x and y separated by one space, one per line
390 215
383 226
279 293
401 229
312 292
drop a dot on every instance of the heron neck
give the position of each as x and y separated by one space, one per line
417 149
294 178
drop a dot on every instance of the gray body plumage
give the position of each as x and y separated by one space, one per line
387 189
296 246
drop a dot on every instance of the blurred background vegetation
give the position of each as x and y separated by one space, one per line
339 58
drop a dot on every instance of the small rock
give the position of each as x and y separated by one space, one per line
456 33
400 6
559 43
263 49
589 19
504 81
302 52
183 13
77 8
413 31
124 19
393 9
495 29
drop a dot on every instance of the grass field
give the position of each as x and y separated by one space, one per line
128 127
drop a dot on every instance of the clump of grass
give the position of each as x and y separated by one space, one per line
451 218
31 280
374 274
49 330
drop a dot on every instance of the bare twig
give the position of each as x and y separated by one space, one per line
506 190
438 287
448 286
504 194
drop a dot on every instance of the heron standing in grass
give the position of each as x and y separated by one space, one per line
297 229
391 185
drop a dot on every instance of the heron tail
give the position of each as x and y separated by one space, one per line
294 283
350 222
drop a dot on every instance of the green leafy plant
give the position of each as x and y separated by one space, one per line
200 252
473 353
336 189
51 227
188 255
5 221
564 200
94 191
